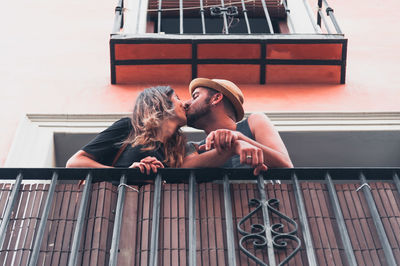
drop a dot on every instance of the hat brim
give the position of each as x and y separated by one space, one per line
208 83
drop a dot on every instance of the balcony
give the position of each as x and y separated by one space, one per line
340 216
252 42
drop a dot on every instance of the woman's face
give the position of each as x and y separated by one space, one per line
179 110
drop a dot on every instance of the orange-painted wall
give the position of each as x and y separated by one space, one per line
55 59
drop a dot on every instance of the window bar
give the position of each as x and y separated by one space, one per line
268 18
229 224
396 181
180 16
348 248
203 23
305 227
73 259
155 223
329 12
226 30
192 220
328 29
117 222
159 16
118 20
43 220
10 206
289 18
309 13
245 17
377 221
267 225
318 14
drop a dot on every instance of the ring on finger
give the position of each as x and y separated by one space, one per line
249 157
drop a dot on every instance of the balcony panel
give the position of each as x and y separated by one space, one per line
303 74
152 51
326 51
253 60
357 190
237 73
162 74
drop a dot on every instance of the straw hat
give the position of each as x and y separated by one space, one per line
226 87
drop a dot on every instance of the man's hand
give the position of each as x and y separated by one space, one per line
221 139
250 155
149 164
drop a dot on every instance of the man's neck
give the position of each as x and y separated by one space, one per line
214 123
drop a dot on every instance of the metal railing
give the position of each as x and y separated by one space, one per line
266 235
227 13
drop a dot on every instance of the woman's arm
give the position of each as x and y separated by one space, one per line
84 159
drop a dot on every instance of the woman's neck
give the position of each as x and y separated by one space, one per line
168 128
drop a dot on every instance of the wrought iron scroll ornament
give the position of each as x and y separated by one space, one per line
258 232
229 11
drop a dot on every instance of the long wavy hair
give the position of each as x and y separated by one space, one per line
152 107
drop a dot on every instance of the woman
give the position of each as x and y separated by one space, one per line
151 138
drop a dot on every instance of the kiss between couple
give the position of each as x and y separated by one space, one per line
151 138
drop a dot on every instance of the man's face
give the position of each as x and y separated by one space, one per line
198 107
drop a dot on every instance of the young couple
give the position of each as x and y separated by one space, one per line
152 138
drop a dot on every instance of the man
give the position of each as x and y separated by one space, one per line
216 107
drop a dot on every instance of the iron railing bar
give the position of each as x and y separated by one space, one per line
390 260
267 225
229 223
155 223
348 248
159 16
305 227
289 18
43 220
328 28
10 206
267 17
180 16
73 258
226 30
245 17
117 221
203 22
310 15
396 182
329 12
192 219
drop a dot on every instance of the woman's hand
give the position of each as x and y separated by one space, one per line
149 164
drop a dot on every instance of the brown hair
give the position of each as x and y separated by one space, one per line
152 107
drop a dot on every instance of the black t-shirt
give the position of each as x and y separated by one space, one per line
105 146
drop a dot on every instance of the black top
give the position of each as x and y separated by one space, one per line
105 146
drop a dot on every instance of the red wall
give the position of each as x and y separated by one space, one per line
55 59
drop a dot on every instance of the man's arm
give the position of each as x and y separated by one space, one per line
212 158
268 140
216 158
84 159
